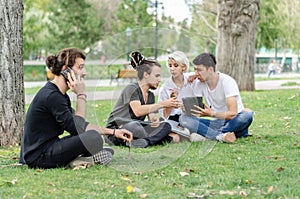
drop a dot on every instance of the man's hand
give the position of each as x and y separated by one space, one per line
201 112
154 120
124 134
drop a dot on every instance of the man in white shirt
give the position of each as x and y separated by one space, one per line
224 105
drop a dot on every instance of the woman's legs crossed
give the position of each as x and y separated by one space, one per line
64 150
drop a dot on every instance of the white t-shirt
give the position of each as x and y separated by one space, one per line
216 98
166 90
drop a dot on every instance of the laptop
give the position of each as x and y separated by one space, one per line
189 102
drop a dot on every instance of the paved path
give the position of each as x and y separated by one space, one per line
115 92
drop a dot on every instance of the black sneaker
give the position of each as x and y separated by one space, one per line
139 143
104 157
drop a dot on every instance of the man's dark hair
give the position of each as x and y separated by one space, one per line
205 59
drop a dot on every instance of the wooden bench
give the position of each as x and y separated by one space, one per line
124 74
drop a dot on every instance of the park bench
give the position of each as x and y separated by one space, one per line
124 74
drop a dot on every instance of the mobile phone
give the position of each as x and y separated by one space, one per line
65 72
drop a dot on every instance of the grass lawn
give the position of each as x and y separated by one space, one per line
264 165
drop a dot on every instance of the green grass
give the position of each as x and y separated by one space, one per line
290 84
264 165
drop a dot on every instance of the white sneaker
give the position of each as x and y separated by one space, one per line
181 131
226 137
195 137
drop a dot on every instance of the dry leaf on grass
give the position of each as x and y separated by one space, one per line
143 195
270 189
184 173
126 178
279 169
222 192
243 194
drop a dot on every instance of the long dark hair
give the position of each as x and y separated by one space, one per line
66 57
139 63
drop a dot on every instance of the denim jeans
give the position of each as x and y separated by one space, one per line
212 128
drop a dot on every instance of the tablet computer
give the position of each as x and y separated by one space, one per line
189 102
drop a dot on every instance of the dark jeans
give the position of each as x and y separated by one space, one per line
64 150
154 135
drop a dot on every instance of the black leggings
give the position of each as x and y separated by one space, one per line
64 150
154 135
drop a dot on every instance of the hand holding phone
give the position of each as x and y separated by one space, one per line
65 72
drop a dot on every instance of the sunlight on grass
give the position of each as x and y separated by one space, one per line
264 165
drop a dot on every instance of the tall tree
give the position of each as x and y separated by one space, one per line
73 23
133 15
203 28
11 72
236 24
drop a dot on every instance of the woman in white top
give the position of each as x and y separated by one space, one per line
176 86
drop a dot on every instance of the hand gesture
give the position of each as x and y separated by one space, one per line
171 103
201 112
76 83
124 134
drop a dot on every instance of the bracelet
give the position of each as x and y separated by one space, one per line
81 98
82 94
114 132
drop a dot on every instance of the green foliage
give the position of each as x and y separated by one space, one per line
268 28
133 15
34 28
72 23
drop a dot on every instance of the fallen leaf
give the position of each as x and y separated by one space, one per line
270 189
279 169
143 195
51 184
126 178
227 192
295 144
184 173
243 194
189 170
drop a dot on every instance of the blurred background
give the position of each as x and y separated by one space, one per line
107 31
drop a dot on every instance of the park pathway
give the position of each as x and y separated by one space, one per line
115 91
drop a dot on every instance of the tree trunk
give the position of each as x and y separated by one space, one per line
236 23
11 72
